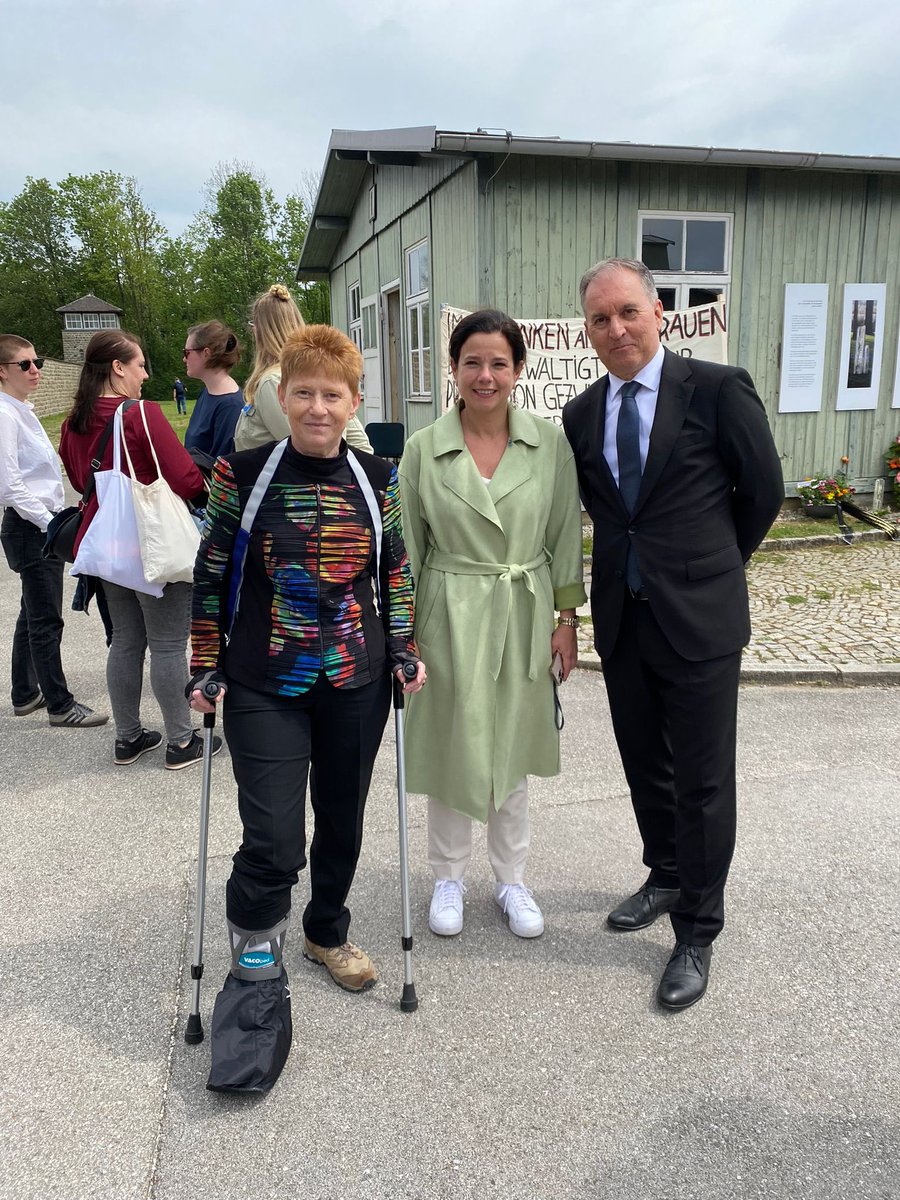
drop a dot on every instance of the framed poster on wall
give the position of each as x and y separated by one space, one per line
803 347
862 345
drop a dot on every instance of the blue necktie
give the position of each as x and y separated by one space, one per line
628 449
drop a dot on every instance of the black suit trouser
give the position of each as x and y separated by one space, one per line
331 736
675 723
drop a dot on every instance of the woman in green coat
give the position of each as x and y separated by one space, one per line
492 525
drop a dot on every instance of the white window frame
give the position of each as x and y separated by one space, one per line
91 320
369 320
354 314
109 321
74 321
418 314
683 281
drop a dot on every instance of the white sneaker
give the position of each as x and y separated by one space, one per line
445 917
525 918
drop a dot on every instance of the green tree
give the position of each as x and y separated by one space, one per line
37 267
237 260
94 233
244 240
119 243
313 298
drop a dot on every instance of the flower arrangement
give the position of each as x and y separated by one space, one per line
892 462
828 489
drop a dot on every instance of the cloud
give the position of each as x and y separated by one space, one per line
164 91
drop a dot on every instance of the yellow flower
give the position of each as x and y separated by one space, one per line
829 495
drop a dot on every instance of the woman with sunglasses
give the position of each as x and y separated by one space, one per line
31 489
210 352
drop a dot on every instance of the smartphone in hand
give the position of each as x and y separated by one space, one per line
556 667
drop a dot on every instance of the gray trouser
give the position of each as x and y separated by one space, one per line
162 624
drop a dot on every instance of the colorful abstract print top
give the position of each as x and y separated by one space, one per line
307 602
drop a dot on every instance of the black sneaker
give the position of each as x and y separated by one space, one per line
129 752
30 706
182 756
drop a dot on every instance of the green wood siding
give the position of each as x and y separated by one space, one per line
388 245
338 282
552 218
454 254
517 232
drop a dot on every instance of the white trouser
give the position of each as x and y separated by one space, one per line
508 835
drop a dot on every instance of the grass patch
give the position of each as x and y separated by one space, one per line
803 528
819 595
795 599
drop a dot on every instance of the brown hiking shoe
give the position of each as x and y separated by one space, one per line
349 967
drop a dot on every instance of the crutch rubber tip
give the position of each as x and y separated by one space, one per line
193 1034
409 1001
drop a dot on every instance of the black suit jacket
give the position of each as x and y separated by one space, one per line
712 486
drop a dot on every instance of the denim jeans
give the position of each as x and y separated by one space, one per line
162 624
36 657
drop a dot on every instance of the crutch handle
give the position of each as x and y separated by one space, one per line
409 670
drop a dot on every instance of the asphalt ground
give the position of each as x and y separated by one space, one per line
539 1069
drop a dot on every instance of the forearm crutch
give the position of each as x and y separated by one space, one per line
193 1033
408 1000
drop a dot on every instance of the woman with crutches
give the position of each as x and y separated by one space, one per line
302 609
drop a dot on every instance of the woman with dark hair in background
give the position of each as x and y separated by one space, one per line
31 491
210 352
493 527
273 318
113 372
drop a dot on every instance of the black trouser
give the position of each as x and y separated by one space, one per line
274 741
36 657
675 723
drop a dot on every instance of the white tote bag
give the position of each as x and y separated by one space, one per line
111 549
169 537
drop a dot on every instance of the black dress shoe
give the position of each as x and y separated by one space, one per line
642 909
685 977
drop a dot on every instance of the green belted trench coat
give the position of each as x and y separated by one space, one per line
491 565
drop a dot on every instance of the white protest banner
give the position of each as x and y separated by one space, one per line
561 362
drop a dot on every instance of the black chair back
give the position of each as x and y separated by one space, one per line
387 438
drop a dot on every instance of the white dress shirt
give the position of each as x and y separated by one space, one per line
30 478
648 377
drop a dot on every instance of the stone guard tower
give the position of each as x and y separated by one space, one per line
81 320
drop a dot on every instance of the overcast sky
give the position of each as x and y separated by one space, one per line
165 89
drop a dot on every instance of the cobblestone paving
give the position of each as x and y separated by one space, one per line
827 605
824 605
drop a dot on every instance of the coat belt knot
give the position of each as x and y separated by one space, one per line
501 602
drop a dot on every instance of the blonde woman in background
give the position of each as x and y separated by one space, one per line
273 318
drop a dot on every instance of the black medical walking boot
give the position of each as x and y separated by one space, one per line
251 1023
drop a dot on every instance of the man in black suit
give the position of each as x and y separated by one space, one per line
680 475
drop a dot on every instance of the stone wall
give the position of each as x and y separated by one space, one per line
57 389
75 343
